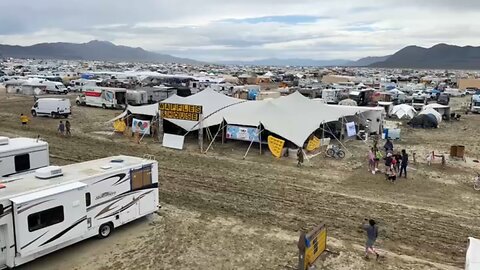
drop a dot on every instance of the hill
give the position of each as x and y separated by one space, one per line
289 62
366 61
93 50
440 56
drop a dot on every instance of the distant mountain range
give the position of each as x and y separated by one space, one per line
288 62
93 50
309 62
440 56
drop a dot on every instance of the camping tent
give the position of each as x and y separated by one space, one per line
424 121
472 261
404 111
348 102
437 115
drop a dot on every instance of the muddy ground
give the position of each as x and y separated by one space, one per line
222 212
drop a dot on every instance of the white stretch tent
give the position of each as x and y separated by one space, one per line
293 117
472 261
211 101
151 110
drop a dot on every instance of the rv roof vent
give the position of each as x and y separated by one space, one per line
116 160
49 172
3 140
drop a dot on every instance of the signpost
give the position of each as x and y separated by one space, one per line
311 245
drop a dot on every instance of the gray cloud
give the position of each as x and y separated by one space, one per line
215 29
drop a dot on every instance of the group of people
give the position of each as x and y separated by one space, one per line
64 128
395 163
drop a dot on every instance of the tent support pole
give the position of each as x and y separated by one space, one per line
260 140
200 133
213 140
160 129
223 132
346 149
246 153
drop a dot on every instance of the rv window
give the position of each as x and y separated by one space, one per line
141 178
1 209
45 218
88 199
22 162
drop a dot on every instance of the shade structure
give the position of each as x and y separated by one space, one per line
294 117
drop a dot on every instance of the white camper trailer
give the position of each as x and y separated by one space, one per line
55 207
22 154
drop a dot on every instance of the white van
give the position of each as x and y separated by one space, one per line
52 86
19 155
53 107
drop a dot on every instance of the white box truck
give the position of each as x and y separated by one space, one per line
55 207
19 155
53 107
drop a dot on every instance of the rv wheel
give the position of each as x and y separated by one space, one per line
34 113
105 230
104 106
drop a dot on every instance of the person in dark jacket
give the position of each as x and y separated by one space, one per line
404 164
388 146
300 157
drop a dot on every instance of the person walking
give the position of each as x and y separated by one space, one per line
300 157
61 129
24 120
371 161
404 164
371 230
378 156
67 128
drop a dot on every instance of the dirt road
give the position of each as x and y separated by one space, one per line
222 212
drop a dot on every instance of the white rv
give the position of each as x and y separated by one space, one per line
105 97
332 96
137 97
55 207
22 154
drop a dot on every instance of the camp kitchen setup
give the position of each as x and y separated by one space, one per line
54 207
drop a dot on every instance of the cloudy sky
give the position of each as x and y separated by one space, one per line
246 29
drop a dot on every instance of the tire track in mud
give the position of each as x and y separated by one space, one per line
429 237
261 196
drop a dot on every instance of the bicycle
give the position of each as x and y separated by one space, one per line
335 151
476 182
